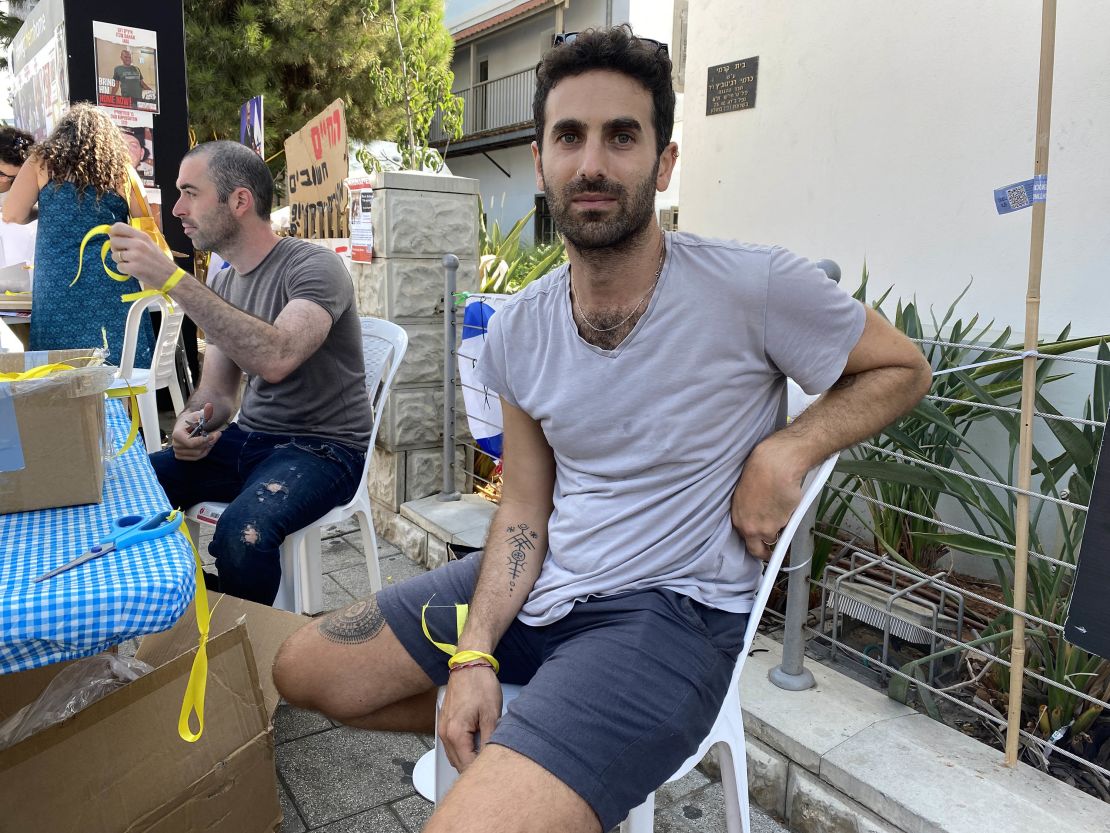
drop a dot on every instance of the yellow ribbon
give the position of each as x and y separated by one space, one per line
40 372
457 657
193 702
146 225
132 393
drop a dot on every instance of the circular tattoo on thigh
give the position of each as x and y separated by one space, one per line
357 623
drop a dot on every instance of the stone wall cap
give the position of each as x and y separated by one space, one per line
416 181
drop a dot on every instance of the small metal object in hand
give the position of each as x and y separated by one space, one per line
199 430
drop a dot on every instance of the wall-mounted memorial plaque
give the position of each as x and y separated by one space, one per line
731 86
1088 621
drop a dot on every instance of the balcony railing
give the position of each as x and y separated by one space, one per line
493 106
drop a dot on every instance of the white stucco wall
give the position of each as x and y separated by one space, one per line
881 130
506 199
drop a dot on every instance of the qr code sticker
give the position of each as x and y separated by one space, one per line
1016 197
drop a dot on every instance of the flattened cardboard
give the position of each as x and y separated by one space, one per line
266 626
120 766
60 435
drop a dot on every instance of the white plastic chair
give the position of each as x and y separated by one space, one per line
301 590
433 775
162 372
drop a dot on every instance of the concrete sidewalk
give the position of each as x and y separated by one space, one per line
341 780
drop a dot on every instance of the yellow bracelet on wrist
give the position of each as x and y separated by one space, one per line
469 656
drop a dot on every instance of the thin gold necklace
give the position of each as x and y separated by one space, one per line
635 309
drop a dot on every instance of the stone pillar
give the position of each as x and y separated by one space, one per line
418 218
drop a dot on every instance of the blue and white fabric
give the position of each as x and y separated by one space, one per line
141 589
483 406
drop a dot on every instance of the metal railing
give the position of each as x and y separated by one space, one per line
902 605
489 106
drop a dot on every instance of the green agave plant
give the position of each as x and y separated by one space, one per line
503 265
941 433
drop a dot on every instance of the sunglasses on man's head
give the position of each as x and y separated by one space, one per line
570 37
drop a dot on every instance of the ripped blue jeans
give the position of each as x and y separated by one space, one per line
274 485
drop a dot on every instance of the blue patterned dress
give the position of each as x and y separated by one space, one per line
71 317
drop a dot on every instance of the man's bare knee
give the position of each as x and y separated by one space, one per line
348 664
550 805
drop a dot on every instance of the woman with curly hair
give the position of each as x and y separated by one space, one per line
79 177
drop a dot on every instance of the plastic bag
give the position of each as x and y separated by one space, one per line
80 685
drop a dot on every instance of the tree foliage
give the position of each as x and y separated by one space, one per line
415 75
302 55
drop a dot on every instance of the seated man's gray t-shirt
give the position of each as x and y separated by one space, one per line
650 439
326 396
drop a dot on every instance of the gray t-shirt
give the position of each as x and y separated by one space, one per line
325 396
650 439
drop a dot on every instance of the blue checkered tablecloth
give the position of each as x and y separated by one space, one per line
141 589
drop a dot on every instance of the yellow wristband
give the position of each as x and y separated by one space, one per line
470 656
172 282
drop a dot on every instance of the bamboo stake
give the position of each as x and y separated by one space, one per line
1029 380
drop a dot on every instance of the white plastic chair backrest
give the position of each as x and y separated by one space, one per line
384 345
796 400
164 355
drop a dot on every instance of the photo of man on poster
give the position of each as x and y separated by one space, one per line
126 67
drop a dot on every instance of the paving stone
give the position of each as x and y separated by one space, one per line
342 528
335 596
339 552
291 723
676 790
335 774
378 820
398 568
704 812
414 812
354 580
291 821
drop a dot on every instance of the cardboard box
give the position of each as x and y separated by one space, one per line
60 423
119 765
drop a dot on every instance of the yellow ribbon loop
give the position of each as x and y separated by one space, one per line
147 226
164 291
96 231
457 657
193 702
132 393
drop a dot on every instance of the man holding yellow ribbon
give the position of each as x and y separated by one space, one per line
283 315
643 481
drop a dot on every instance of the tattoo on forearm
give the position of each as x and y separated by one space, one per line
355 624
843 382
521 541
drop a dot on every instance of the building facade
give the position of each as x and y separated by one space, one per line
497 47
879 133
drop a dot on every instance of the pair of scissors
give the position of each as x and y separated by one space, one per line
126 530
201 428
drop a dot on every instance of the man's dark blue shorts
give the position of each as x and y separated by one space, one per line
619 693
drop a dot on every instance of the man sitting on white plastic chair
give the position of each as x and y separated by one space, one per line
284 315
643 481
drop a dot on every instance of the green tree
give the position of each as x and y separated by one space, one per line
302 55
414 74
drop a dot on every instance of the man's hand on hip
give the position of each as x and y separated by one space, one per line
139 256
769 490
470 711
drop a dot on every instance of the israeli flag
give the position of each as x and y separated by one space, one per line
483 406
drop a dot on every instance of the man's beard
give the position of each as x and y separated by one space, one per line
217 232
591 229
